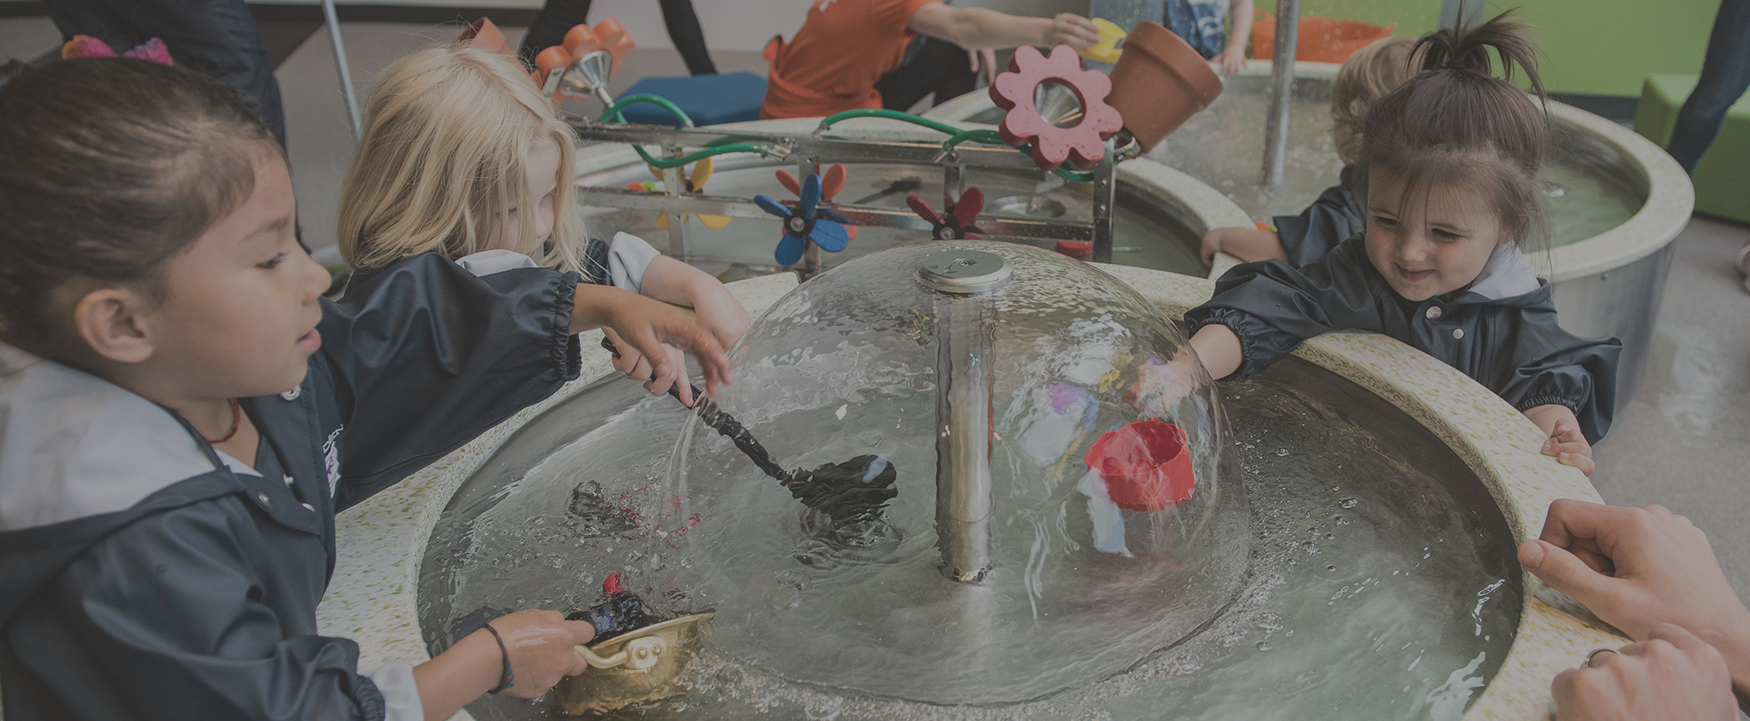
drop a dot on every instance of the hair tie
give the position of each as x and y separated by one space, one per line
85 46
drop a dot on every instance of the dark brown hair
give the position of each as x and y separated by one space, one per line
1459 123
108 168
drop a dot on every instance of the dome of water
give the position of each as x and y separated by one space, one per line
1003 569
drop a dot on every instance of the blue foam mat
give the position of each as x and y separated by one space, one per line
707 99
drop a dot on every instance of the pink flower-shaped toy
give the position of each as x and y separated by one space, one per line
1081 145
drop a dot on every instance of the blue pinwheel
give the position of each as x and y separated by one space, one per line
807 223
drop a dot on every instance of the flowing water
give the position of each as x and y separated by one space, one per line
1381 582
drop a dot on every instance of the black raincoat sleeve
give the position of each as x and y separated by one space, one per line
1335 217
1274 307
426 356
173 622
1546 365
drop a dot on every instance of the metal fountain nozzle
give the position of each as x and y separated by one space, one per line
965 319
1058 104
588 76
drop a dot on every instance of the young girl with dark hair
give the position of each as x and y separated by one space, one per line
182 413
1448 171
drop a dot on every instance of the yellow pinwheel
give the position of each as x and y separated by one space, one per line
695 180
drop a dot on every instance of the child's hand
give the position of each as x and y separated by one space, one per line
1569 447
1073 30
540 647
724 317
638 368
1232 59
1157 388
1211 246
651 328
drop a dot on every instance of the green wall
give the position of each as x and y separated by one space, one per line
1598 47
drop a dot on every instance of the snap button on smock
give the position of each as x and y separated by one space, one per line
1433 312
1457 333
293 394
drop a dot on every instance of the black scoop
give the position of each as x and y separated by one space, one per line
854 489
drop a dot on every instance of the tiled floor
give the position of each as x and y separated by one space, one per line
1683 441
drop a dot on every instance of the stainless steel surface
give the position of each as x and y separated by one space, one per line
1105 197
828 148
1281 89
1623 303
963 406
589 77
674 186
340 65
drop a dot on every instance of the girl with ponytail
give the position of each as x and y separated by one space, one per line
1448 178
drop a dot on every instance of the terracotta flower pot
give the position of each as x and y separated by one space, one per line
1159 83
1145 464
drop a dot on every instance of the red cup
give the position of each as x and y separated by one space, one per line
1145 464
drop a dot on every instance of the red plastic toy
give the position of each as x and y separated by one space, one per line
1081 145
1146 465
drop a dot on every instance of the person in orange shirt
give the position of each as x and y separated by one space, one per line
852 53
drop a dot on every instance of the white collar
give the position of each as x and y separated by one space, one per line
74 445
1505 275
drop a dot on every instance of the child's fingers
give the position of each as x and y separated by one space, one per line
686 387
1554 448
1584 463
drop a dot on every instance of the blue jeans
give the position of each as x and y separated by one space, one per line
216 37
1199 23
1725 75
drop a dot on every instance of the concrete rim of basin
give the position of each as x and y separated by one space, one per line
381 542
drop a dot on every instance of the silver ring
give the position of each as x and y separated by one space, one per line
1595 652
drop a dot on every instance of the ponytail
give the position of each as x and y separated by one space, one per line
1457 121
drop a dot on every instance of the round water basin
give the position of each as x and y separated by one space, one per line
1385 494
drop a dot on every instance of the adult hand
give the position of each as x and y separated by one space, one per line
1638 568
1232 59
1671 675
540 647
1073 30
1570 448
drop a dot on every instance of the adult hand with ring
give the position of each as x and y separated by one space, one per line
1671 675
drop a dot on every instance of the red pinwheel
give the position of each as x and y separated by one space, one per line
957 219
807 222
831 183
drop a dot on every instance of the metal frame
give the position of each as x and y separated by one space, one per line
808 152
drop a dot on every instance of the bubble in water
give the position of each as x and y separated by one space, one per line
1348 503
1281 452
1309 546
1263 645
1330 536
1332 569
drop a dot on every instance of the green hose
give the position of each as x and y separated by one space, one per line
613 111
890 115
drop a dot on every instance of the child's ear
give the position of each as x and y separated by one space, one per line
109 321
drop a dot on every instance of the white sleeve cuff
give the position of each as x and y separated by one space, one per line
628 257
400 693
487 262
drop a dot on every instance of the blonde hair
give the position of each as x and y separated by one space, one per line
1366 76
442 162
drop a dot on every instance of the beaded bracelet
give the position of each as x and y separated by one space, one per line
509 679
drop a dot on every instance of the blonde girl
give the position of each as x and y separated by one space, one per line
463 157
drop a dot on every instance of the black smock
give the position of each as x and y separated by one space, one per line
1511 345
1336 216
199 601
